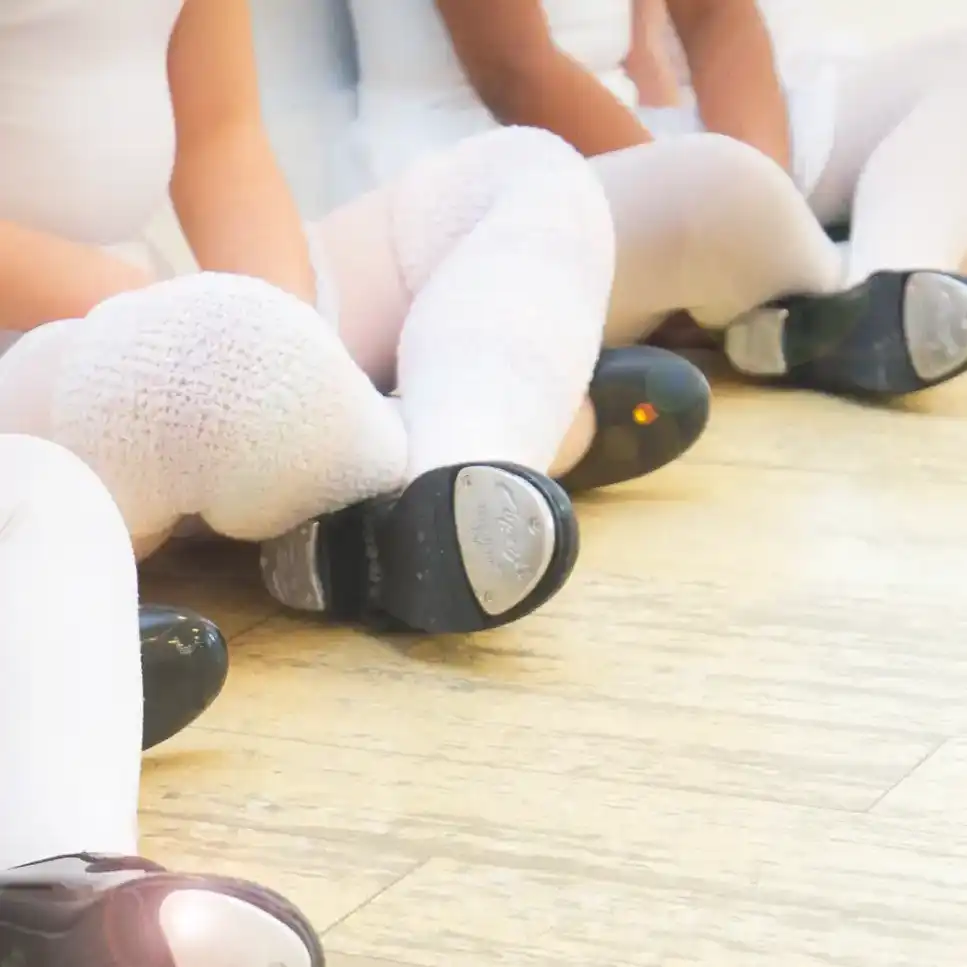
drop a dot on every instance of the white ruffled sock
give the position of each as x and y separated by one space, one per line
211 395
507 244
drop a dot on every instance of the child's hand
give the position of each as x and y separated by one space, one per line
44 277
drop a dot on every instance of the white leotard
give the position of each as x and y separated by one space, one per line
86 127
414 97
413 94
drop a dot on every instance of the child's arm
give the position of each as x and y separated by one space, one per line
648 63
44 278
507 51
734 74
229 193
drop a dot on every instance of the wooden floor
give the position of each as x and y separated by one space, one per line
737 739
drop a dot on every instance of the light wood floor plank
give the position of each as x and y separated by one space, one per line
330 882
360 696
550 919
735 740
936 792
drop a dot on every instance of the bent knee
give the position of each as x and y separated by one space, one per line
539 181
739 181
736 161
546 165
209 310
487 161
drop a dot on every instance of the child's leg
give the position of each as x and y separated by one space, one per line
508 249
484 274
500 254
872 96
899 157
710 225
70 664
453 210
210 395
902 150
70 749
910 206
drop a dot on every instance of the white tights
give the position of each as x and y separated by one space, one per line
898 168
478 285
70 662
484 273
708 225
